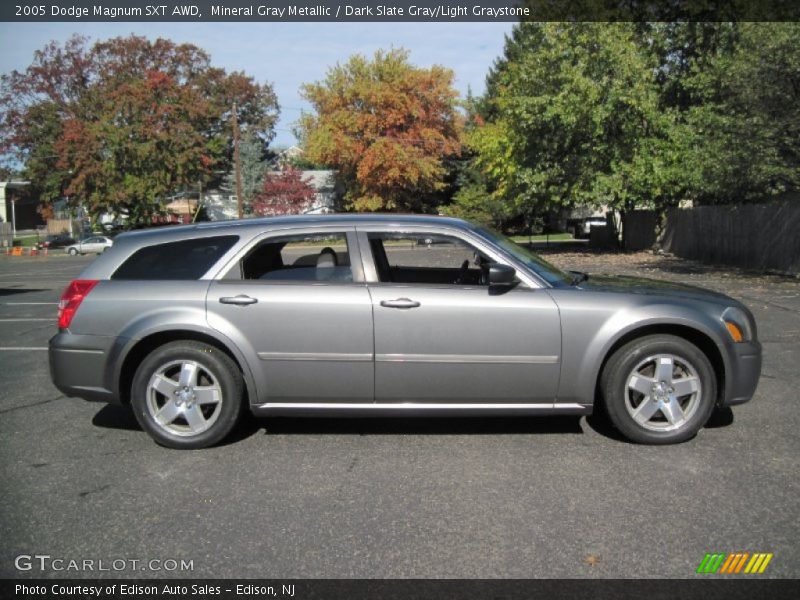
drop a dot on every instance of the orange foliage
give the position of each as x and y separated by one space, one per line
386 126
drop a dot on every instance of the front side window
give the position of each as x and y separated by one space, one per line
323 258
550 273
426 259
184 260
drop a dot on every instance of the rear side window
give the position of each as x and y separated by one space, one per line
187 259
323 258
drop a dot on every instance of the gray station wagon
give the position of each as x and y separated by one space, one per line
374 315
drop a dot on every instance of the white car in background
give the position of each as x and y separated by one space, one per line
96 244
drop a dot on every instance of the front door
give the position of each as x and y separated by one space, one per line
302 314
443 336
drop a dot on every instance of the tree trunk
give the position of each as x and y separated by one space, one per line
629 207
661 227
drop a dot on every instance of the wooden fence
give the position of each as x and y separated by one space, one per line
763 237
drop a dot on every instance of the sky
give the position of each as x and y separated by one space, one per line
288 54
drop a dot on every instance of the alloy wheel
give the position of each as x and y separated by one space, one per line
184 398
663 392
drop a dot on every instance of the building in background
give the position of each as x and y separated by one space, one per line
220 205
17 207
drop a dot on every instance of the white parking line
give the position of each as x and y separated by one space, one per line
27 319
38 274
24 348
29 303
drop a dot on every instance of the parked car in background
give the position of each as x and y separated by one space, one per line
351 315
581 228
91 245
61 240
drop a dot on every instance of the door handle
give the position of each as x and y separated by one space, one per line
240 300
400 303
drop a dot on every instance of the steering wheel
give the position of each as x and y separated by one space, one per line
483 265
462 273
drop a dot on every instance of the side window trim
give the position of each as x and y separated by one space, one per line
371 273
222 276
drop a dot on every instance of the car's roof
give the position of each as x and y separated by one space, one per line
260 223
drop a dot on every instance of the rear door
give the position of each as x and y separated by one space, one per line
296 303
93 244
442 335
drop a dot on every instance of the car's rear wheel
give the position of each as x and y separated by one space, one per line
659 389
187 394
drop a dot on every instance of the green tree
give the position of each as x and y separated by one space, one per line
743 140
386 126
680 49
471 198
253 167
572 118
120 125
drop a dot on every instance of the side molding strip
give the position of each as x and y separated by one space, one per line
323 356
411 358
467 358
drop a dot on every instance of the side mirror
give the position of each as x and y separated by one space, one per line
501 274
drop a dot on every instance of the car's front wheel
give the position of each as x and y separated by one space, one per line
73 251
187 394
659 389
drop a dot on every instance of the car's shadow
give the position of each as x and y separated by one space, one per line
121 417
12 291
600 423
422 425
114 416
721 417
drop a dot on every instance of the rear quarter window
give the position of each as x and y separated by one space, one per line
187 259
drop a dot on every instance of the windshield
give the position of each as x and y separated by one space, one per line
550 273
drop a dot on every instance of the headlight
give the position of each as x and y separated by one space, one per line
737 324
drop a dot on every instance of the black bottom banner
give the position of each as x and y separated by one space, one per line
389 589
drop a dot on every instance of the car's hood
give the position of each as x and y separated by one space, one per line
642 285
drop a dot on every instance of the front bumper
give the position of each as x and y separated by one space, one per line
78 365
744 370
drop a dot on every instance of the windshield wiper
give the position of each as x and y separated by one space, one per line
578 277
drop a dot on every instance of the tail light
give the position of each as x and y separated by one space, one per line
71 299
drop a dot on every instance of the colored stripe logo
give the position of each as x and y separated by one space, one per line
735 563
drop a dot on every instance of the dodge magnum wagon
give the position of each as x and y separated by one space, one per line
366 315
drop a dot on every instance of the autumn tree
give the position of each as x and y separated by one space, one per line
284 193
386 126
122 124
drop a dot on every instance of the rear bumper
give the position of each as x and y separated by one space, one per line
78 365
743 372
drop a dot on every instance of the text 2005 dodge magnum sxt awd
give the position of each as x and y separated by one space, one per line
367 315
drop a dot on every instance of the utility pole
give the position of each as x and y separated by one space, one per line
236 166
199 199
13 220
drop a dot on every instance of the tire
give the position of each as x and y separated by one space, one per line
643 387
196 415
73 252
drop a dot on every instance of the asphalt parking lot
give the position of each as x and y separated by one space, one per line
455 498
